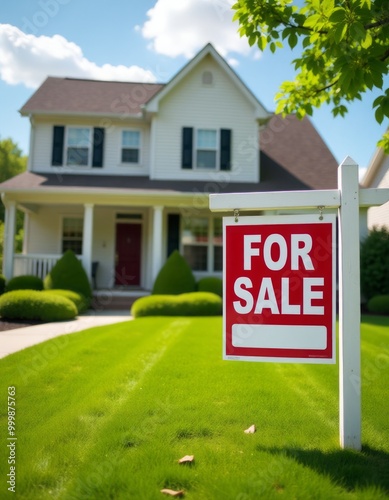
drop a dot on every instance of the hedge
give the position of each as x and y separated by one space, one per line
37 306
186 304
77 298
24 282
379 304
374 263
211 284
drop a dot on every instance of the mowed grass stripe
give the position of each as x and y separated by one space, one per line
156 389
64 398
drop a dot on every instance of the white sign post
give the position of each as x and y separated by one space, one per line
347 199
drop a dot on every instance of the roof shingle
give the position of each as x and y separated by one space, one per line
71 95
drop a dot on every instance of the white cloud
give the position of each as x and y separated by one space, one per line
29 59
183 27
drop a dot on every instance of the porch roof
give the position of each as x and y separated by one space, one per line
274 178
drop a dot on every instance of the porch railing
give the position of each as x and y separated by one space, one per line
34 264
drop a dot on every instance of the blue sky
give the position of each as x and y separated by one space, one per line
148 40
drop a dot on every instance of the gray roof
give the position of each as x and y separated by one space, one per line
75 96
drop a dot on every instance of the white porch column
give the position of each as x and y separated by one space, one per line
87 240
9 239
157 241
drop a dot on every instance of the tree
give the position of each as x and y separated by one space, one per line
12 162
344 50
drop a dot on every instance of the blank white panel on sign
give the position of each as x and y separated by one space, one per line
279 336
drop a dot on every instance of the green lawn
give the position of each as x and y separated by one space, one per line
106 414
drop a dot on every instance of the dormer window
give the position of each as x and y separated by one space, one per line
131 146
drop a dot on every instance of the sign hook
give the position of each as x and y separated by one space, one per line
320 208
236 214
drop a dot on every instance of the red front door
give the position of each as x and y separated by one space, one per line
128 254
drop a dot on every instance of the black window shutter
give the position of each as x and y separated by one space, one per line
225 149
57 151
173 233
98 147
187 147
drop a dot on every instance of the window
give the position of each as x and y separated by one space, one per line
83 146
72 230
206 148
202 243
130 146
78 146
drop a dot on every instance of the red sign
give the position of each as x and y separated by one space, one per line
279 288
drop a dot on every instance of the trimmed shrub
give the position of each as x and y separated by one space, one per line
375 263
379 304
175 277
25 282
211 284
37 306
78 300
68 274
186 304
3 282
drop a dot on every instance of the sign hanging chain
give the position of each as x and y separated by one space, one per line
321 208
236 214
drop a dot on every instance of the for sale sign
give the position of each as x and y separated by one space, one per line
279 288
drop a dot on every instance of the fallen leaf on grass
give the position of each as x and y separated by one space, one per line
173 493
188 459
251 429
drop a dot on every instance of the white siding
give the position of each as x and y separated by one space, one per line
218 105
379 216
44 228
42 146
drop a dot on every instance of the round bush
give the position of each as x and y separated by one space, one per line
37 306
77 298
175 277
3 282
211 284
68 274
25 282
379 304
186 304
375 263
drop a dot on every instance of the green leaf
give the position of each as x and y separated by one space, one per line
312 21
252 39
340 32
292 40
379 115
327 7
338 15
368 41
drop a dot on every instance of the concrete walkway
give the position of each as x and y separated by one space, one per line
15 340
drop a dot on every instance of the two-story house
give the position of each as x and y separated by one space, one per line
120 172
